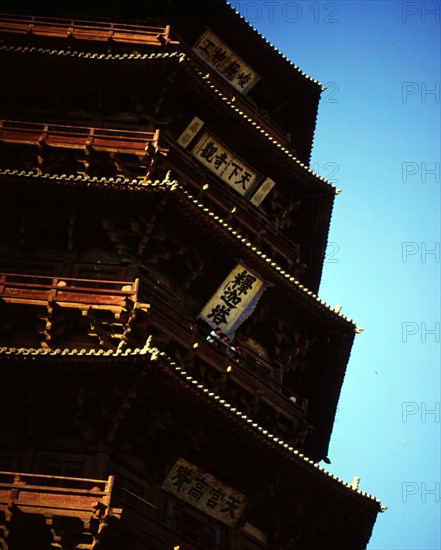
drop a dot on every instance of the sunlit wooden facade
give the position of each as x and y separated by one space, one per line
155 184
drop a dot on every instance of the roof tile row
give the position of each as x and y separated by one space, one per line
154 353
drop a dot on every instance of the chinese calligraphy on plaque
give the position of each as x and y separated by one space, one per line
222 58
219 160
222 162
205 492
234 300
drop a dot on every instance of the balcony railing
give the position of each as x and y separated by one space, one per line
80 137
96 31
36 494
85 499
67 292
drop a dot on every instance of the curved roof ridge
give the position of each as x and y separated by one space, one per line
276 50
230 103
225 225
233 411
154 353
174 185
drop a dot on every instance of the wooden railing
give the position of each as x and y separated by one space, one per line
86 30
40 494
66 291
80 137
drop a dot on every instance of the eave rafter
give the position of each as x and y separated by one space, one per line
78 54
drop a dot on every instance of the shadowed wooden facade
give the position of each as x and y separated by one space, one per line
144 157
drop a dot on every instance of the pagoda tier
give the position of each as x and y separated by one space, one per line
147 232
283 93
140 401
87 151
298 208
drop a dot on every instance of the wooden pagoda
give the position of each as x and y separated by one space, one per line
154 187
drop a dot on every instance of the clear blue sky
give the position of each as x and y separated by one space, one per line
378 134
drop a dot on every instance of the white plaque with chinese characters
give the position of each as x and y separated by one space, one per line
205 492
234 300
219 160
226 62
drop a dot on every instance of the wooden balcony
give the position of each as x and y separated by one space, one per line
93 501
49 496
80 137
68 292
95 31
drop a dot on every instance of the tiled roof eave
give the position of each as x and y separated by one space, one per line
282 152
277 270
283 58
189 383
80 54
120 184
103 183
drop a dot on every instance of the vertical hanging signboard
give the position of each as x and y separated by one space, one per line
234 300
